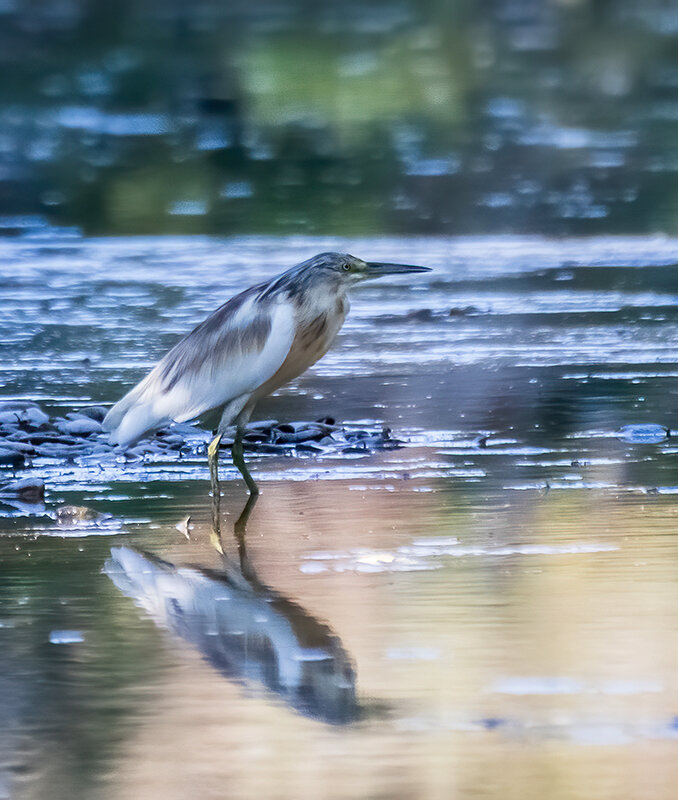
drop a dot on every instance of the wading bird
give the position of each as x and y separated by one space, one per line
251 345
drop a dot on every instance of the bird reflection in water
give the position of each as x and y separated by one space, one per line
245 629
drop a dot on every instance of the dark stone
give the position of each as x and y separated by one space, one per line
298 432
83 426
55 450
10 417
355 448
31 418
67 515
308 447
11 458
18 447
420 315
255 437
30 490
173 441
95 412
49 438
464 312
264 425
260 447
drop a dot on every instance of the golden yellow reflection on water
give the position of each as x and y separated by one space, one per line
535 657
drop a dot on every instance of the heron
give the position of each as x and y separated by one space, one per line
251 345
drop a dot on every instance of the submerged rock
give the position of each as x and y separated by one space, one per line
74 515
300 431
173 441
66 637
27 418
643 434
27 431
81 426
94 412
29 489
13 459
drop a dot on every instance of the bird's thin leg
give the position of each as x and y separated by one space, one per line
239 531
240 527
213 461
215 532
239 461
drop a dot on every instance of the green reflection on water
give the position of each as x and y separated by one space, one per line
382 116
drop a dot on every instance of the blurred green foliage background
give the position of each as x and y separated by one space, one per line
287 116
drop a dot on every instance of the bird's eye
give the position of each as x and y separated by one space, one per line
346 267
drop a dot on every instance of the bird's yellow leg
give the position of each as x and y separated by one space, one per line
239 461
213 461
215 532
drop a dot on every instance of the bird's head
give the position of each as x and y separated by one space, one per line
352 270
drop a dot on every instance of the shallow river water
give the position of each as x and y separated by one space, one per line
490 610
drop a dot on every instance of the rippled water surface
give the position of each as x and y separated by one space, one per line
489 610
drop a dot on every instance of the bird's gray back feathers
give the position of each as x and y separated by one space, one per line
251 344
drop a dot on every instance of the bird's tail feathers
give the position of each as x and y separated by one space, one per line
130 418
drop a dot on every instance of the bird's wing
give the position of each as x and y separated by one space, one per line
233 352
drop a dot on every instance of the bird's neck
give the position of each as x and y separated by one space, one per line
312 304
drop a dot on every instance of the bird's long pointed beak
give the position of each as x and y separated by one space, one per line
375 269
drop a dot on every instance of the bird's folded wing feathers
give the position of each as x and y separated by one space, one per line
229 355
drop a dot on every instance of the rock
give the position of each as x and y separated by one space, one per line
83 426
55 450
69 515
30 490
11 458
260 447
48 438
264 425
31 418
308 447
98 449
464 312
16 436
420 315
138 452
255 437
293 432
173 441
355 448
643 434
186 430
80 435
96 413
19 447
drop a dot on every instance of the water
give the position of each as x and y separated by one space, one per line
489 609
371 116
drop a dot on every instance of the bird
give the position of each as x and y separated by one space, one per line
254 343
